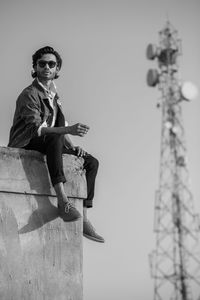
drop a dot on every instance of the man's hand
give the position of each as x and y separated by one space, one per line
79 151
78 129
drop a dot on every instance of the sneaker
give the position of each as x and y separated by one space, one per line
68 212
90 233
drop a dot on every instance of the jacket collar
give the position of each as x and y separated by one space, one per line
41 90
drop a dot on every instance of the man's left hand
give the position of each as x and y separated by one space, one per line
80 152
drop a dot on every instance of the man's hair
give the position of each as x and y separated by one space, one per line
45 50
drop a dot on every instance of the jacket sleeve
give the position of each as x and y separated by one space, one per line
30 112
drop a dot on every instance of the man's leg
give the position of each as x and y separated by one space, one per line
91 165
52 146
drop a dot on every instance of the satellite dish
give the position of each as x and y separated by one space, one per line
151 51
152 77
168 125
189 91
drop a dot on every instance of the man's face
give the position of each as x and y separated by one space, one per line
46 67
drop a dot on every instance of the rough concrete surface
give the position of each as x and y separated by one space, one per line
40 255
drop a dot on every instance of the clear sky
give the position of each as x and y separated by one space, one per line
103 84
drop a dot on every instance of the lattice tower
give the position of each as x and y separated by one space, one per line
175 263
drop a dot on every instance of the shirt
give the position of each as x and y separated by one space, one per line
50 96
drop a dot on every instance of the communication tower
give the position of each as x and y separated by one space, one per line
175 263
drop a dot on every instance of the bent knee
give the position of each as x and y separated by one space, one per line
94 162
54 139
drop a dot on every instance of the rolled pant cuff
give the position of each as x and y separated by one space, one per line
58 180
87 203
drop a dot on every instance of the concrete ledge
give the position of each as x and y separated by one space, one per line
26 172
40 255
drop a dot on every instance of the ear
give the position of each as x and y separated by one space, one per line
57 71
34 71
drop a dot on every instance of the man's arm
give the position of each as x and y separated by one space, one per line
76 129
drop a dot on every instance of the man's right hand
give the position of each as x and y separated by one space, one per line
78 129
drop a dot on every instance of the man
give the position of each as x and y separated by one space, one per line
39 124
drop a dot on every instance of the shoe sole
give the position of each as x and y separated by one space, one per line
93 238
72 220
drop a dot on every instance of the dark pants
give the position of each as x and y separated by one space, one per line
52 146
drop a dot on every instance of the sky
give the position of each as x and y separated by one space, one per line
103 84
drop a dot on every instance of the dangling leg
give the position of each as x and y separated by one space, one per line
91 165
52 146
54 152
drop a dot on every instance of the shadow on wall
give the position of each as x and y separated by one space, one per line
39 182
45 213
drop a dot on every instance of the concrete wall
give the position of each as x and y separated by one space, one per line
40 255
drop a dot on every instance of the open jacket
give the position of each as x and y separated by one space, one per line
32 110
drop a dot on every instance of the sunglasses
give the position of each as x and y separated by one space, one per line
50 63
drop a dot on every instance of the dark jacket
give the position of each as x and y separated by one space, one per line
32 109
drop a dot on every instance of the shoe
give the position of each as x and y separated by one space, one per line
68 212
90 233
